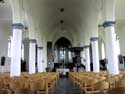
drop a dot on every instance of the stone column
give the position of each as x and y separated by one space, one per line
95 54
87 56
82 56
15 67
110 36
111 51
32 56
39 62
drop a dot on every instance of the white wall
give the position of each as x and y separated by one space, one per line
5 32
26 52
101 40
121 33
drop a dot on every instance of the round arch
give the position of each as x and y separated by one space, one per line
61 40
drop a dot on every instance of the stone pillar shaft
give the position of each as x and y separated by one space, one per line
87 56
15 67
111 51
95 54
39 62
32 56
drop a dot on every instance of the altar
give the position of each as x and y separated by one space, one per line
63 71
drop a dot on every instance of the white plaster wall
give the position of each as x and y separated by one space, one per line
26 52
101 40
5 32
121 33
89 27
44 51
76 39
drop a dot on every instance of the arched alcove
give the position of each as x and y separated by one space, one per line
61 50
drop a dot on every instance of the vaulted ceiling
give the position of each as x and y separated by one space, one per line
63 14
50 15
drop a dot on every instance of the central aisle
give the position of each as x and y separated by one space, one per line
65 86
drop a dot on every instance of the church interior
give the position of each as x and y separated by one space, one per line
62 47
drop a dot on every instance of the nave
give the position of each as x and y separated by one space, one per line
62 46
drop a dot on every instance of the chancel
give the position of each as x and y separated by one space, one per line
62 46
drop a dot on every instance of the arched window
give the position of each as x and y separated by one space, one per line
117 45
22 51
62 46
103 51
9 46
70 56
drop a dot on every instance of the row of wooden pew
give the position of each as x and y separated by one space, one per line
92 83
39 83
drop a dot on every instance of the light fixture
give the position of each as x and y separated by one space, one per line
61 21
61 9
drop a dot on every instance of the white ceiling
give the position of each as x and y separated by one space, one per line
46 13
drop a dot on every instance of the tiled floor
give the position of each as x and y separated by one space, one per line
65 86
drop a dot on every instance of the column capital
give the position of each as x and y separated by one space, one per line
18 26
108 23
86 46
32 41
94 38
40 47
